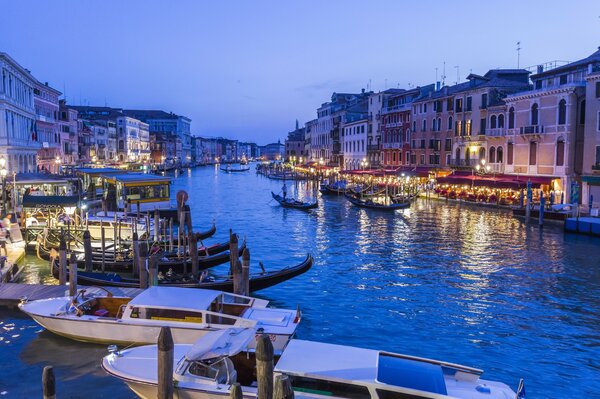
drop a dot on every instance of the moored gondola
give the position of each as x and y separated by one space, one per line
370 204
293 203
258 281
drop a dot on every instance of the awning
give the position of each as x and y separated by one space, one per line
591 179
496 181
38 201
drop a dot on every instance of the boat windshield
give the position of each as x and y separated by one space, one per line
230 304
220 370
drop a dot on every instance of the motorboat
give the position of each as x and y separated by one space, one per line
208 368
101 317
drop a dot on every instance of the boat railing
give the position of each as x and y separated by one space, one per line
453 366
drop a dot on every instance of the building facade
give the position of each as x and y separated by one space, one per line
354 144
19 144
68 126
50 155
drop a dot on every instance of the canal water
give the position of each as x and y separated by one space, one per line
439 280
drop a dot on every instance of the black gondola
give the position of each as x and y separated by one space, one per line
293 203
373 205
232 170
258 281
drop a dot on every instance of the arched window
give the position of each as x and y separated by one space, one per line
493 122
532 153
534 115
501 121
560 152
582 113
407 137
467 155
450 124
482 153
439 124
499 155
457 155
562 112
433 125
492 155
511 118
509 153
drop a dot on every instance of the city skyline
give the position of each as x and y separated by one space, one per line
248 72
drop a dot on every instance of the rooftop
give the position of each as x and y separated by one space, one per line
138 177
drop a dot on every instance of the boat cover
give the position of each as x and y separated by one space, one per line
215 344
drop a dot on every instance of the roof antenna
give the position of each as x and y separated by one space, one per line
457 73
444 75
436 75
518 54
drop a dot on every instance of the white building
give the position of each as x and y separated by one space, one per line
133 140
354 144
50 156
18 141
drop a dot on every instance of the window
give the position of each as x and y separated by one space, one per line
511 118
467 128
469 103
582 113
459 105
538 84
560 153
499 155
422 159
433 125
492 155
449 123
493 122
534 114
509 153
449 104
597 89
439 124
481 153
598 127
457 155
166 314
562 112
563 79
424 127
501 121
329 388
484 100
422 143
425 108
457 128
597 155
414 126
532 153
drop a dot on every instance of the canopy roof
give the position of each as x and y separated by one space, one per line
177 298
497 181
137 177
215 344
39 201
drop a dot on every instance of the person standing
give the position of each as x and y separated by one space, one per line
3 240
6 222
284 190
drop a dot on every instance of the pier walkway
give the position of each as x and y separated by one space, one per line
11 269
583 225
11 293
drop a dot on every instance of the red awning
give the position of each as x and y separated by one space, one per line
496 181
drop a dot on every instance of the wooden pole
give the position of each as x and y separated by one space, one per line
264 367
171 235
136 255
245 278
236 391
233 253
62 262
147 226
87 249
181 230
156 226
72 275
115 237
48 383
143 255
165 364
194 254
153 271
103 246
283 388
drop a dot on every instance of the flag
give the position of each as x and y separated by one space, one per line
521 390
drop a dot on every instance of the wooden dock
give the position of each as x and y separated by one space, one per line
11 268
11 293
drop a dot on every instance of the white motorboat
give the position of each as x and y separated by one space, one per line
190 313
208 368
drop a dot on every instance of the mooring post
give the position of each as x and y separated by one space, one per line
143 257
194 254
283 388
542 205
264 367
181 231
234 256
62 262
153 270
147 226
165 364
48 383
236 391
156 226
115 237
87 249
171 235
136 254
245 278
103 247
72 275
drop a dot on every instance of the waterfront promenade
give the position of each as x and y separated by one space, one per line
440 280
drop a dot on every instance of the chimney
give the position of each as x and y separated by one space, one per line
362 91
437 86
540 68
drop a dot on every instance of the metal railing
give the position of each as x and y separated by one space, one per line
533 129
463 162
499 131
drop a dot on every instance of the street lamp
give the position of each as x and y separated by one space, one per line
69 210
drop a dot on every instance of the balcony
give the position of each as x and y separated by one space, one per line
534 129
463 162
497 132
391 145
374 147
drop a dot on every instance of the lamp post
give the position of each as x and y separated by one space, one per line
3 173
57 161
69 210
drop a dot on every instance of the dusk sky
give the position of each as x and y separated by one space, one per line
249 69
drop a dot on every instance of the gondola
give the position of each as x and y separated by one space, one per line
335 188
258 281
293 203
373 205
232 170
176 265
